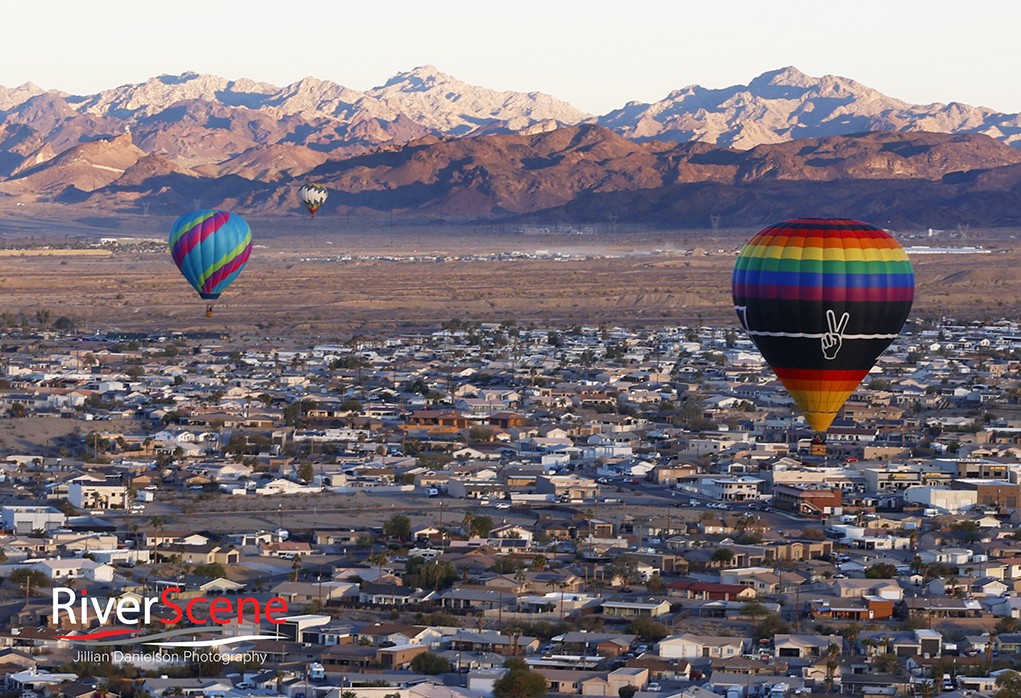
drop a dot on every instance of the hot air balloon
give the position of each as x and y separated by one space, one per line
313 196
822 299
210 248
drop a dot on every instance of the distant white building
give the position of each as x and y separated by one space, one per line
26 519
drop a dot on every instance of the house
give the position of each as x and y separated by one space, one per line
806 500
387 633
612 683
75 568
789 646
646 609
691 646
91 492
486 641
210 555
867 608
709 591
988 586
389 595
858 588
592 643
302 593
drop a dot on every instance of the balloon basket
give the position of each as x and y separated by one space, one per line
209 311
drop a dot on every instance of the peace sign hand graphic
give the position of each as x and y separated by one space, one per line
833 340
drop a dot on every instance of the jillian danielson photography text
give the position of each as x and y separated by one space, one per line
163 657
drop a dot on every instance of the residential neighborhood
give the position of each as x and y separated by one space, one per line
621 512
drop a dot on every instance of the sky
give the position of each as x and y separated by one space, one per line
595 55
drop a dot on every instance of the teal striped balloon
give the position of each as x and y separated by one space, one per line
210 248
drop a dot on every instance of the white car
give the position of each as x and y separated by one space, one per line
503 505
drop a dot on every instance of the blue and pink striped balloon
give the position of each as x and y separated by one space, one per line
210 248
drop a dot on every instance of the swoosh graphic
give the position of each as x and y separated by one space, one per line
215 643
88 639
96 636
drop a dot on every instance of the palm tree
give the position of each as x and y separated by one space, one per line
833 650
563 584
870 646
157 523
851 633
379 559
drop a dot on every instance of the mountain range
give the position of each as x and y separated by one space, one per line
427 144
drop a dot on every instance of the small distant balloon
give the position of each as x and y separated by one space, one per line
822 299
313 196
210 248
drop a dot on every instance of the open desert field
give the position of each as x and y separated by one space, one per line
331 277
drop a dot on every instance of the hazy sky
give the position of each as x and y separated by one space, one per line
595 55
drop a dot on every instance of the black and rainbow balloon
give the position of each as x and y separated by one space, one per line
822 299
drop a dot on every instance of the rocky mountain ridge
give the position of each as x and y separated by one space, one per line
426 144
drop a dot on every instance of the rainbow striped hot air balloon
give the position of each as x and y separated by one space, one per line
210 248
822 299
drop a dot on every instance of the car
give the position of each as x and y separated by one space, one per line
654 687
151 487
503 505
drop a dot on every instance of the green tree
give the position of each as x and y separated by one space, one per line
398 526
887 663
29 579
647 629
754 610
881 570
64 324
430 663
519 681
624 567
306 472
627 691
1008 685
771 625
723 555
481 526
655 585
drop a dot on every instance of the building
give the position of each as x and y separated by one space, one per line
732 489
690 646
807 501
26 519
649 609
572 486
89 492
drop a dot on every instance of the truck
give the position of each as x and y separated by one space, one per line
432 492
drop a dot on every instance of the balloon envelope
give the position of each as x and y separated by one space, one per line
210 248
822 299
313 196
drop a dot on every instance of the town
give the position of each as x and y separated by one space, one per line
502 509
